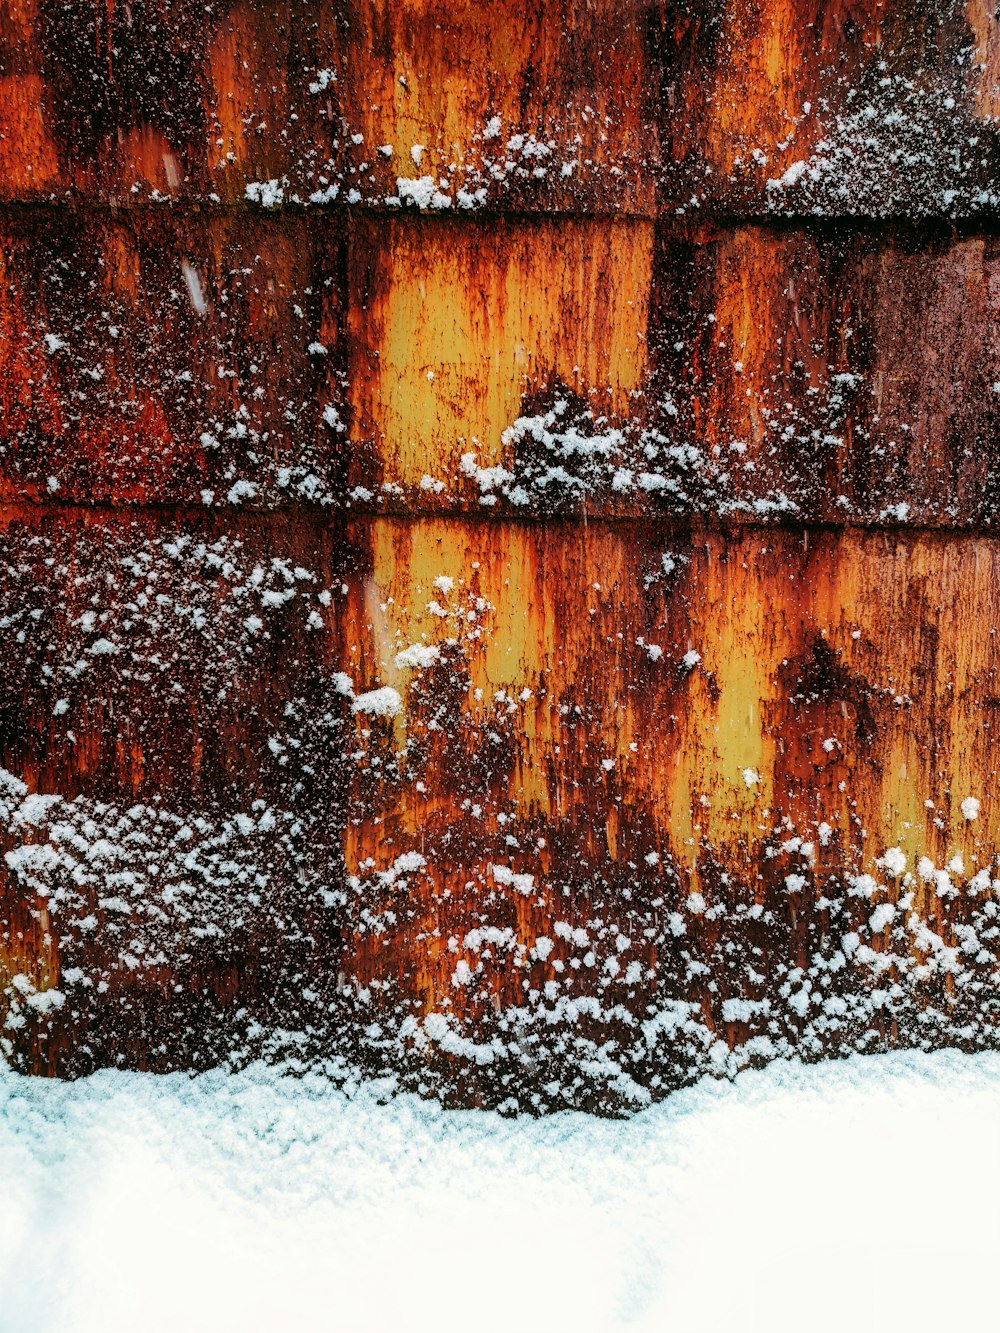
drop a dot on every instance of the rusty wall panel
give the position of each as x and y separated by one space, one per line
521 366
549 106
807 107
173 788
538 108
166 357
150 100
461 327
657 795
843 108
828 374
610 788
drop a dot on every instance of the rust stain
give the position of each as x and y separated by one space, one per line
528 105
147 358
630 108
182 100
461 775
827 373
470 322
844 108
800 717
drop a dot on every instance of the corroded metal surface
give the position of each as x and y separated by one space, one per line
154 358
617 367
402 786
545 649
637 106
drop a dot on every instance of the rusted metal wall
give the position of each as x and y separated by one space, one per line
498 536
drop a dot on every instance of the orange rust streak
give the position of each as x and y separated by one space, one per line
470 321
814 703
437 77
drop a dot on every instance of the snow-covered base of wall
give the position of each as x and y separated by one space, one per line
788 1199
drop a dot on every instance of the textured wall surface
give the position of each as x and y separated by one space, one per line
499 536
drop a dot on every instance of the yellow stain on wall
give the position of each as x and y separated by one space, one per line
899 619
467 320
905 625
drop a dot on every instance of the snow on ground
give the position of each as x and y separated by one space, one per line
857 1195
